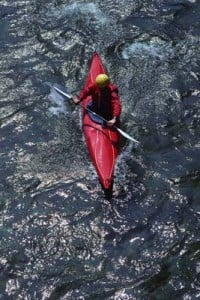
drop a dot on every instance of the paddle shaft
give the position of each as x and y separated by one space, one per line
71 97
100 117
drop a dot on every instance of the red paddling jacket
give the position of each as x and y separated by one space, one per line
105 102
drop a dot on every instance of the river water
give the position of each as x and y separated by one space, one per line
59 237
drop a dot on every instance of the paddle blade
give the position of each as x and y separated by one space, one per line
126 135
58 101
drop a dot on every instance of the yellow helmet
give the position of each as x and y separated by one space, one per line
102 80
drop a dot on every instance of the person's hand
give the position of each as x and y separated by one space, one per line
111 122
76 99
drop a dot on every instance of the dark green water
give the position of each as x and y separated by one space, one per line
59 237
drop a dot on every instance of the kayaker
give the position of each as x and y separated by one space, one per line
105 99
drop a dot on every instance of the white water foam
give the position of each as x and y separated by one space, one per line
59 103
78 9
153 48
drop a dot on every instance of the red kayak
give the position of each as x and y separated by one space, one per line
102 142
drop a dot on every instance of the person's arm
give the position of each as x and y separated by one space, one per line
82 95
116 108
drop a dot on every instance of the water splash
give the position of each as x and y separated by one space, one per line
77 10
59 105
153 48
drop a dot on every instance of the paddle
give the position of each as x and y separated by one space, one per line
124 134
